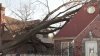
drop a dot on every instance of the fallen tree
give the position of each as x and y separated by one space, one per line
33 30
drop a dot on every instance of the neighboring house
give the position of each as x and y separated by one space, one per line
77 31
13 25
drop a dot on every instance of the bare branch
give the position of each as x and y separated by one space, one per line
49 31
66 10
49 14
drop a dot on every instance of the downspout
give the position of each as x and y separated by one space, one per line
0 13
0 26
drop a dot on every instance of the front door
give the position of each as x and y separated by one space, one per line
91 48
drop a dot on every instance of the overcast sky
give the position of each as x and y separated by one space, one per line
15 3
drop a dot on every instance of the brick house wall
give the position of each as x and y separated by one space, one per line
79 27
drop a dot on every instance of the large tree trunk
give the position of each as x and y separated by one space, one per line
20 39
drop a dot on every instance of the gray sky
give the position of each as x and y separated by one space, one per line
15 3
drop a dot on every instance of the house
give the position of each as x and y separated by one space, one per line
79 31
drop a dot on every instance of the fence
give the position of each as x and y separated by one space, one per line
67 53
31 55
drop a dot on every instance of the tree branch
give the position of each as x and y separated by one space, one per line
49 14
49 31
26 36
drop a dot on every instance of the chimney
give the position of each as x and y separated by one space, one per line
3 8
2 12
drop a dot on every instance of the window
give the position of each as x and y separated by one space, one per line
64 45
30 50
65 48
